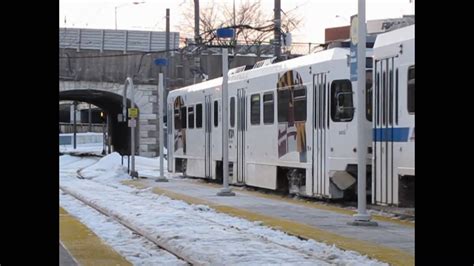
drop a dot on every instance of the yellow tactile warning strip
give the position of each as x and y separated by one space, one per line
314 205
382 253
84 245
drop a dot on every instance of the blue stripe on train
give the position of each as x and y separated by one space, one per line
396 134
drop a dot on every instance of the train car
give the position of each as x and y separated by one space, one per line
291 127
393 160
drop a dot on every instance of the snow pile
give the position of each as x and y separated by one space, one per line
108 167
149 167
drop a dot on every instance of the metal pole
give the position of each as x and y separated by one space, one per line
103 139
197 38
167 43
234 42
129 81
160 128
108 133
90 118
74 125
362 217
115 18
277 16
225 191
166 82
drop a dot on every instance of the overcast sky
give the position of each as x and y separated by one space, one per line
317 14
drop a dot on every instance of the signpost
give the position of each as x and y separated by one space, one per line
161 62
225 191
132 123
133 112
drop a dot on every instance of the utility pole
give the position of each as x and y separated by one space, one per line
166 82
197 38
234 41
233 8
277 41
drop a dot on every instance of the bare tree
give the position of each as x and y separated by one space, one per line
253 26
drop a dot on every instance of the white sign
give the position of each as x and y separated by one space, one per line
132 123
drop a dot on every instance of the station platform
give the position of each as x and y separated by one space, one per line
392 241
80 246
65 258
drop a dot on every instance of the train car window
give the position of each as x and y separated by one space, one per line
255 109
411 90
377 99
191 117
328 105
390 98
232 112
299 101
216 112
199 115
283 104
177 118
183 117
384 96
342 106
369 63
268 108
396 96
368 95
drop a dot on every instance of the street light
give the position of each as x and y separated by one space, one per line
133 3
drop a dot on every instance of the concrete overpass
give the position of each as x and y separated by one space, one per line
94 64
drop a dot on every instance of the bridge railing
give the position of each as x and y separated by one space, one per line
115 40
81 127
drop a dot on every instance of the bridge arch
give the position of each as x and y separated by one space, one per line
109 97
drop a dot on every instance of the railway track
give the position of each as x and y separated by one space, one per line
128 225
163 243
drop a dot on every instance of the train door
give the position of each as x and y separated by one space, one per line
207 139
241 128
384 180
169 125
320 134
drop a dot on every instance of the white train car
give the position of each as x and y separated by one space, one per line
393 165
291 127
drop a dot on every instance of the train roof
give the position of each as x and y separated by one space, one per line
319 57
395 37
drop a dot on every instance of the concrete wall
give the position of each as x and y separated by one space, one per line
98 67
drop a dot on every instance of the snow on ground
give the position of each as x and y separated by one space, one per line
195 230
136 249
70 164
